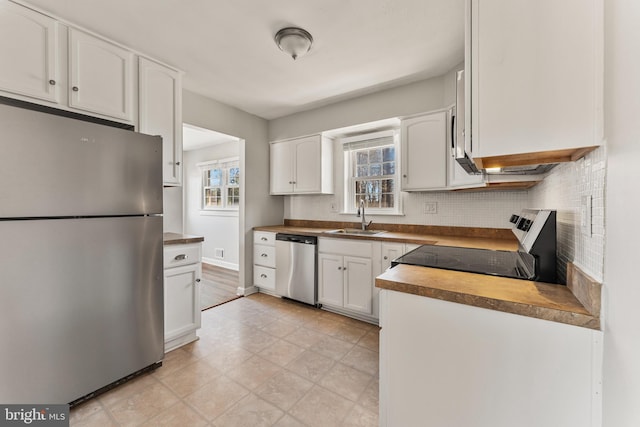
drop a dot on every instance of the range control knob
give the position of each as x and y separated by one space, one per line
514 219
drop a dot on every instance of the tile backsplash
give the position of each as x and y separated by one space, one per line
564 190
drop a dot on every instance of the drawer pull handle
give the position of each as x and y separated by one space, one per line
180 257
264 276
264 255
339 268
264 239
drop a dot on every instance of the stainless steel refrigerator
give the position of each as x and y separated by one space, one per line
81 281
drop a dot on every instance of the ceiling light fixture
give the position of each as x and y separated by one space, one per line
294 41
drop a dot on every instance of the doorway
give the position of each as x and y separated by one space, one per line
212 208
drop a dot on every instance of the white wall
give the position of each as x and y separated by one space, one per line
219 229
621 379
172 209
256 206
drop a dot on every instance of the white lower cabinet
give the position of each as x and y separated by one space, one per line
345 276
264 261
449 364
182 275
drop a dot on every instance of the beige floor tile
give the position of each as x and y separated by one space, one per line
127 389
280 328
216 397
311 365
98 418
348 333
254 340
346 381
174 360
362 359
288 421
178 415
199 348
251 411
304 337
259 319
281 352
370 398
360 417
325 326
227 356
370 341
284 389
143 405
85 410
253 372
331 347
190 378
321 408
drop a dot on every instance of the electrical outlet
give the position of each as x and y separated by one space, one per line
585 215
430 207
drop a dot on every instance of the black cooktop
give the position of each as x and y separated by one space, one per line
516 265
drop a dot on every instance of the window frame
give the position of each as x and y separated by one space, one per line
366 141
224 165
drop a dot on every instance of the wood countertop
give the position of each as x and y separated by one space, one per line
533 299
180 239
558 303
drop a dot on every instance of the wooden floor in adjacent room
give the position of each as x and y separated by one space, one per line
219 285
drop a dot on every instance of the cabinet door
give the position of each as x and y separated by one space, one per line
100 75
330 280
536 85
281 168
358 284
181 300
160 114
307 162
391 251
424 152
29 48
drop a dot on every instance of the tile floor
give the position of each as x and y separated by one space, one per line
260 361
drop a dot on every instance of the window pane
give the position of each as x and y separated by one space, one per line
214 178
234 176
375 170
389 168
375 155
388 185
360 187
212 198
387 201
388 154
362 157
362 171
233 196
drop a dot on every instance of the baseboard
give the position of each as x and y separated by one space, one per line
223 264
246 291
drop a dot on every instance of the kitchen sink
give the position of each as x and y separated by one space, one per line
356 231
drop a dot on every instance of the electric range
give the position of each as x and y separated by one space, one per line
535 258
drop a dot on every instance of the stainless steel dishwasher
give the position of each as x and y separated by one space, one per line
296 267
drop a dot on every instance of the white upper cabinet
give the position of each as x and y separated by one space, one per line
29 52
302 166
535 83
101 76
424 152
160 113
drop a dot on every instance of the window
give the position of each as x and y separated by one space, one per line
220 184
371 169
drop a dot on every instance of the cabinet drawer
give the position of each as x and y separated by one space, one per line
264 255
264 277
265 238
177 255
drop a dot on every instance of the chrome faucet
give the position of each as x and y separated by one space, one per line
364 221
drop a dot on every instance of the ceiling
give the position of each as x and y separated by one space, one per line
226 47
194 137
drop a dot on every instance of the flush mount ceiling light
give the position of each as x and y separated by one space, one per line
294 41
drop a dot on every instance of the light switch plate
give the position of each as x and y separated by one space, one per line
585 215
430 207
